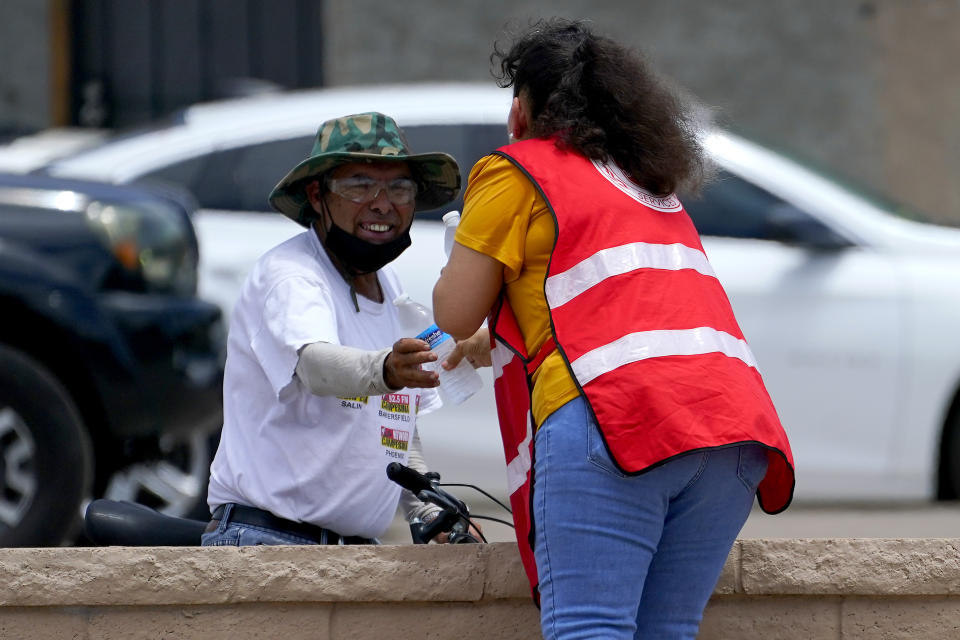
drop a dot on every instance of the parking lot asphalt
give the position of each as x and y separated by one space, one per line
913 520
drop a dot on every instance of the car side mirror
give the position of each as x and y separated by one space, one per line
790 225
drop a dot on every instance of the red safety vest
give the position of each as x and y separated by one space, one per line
645 329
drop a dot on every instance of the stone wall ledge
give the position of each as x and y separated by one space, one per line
463 573
770 588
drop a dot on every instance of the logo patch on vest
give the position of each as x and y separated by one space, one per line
619 179
353 403
394 438
395 406
395 402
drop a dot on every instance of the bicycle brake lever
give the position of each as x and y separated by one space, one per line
422 533
443 500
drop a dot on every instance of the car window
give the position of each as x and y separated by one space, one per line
186 174
241 178
734 208
466 143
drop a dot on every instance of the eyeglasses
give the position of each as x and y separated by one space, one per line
360 189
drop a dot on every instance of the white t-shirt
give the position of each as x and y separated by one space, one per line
316 459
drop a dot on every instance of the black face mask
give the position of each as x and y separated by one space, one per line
359 256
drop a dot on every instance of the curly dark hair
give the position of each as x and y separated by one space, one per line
603 101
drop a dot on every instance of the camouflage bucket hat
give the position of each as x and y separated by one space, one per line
367 137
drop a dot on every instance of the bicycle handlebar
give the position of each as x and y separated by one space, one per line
454 517
408 478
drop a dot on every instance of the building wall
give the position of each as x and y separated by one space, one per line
866 90
919 104
25 66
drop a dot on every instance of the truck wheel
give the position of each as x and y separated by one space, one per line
175 483
949 485
46 460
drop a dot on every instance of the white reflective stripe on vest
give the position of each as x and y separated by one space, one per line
657 344
563 287
520 464
518 467
500 356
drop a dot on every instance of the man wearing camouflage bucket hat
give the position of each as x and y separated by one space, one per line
321 390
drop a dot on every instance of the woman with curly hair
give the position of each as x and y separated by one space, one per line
636 427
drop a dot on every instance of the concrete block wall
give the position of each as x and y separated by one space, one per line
770 589
867 90
782 589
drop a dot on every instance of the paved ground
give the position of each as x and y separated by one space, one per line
919 520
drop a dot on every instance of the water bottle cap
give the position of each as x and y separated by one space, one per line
403 298
451 218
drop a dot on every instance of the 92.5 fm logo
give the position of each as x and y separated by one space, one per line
395 402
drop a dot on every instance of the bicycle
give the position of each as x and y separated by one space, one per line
121 523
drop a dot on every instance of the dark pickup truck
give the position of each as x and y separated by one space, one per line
110 366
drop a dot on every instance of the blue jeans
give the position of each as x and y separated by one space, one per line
632 557
237 534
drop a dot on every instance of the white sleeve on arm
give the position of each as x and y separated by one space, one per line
410 505
335 370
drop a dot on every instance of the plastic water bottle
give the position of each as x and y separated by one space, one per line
450 221
416 320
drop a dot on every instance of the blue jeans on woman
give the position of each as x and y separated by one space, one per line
632 556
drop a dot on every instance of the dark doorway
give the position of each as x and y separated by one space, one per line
134 61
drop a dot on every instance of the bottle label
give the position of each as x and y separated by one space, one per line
433 336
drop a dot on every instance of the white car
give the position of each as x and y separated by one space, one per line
32 151
852 312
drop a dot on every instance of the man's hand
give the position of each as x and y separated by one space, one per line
402 367
476 349
444 537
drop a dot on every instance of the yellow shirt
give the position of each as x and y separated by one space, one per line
506 218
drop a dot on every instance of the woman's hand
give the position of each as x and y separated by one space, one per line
403 366
476 349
